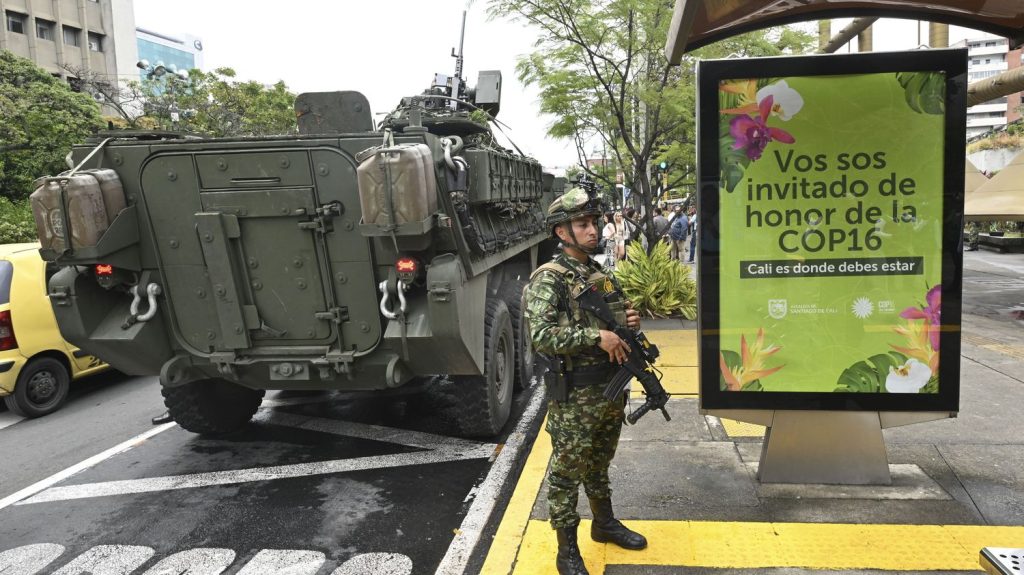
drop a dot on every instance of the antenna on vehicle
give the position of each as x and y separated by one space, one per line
457 82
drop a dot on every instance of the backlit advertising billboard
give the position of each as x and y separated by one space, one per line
830 222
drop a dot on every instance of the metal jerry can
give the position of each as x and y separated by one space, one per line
83 210
397 185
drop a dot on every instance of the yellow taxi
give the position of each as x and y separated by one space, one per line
36 364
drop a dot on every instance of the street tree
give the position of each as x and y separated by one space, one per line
213 103
602 74
42 118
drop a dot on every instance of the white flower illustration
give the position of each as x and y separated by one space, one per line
862 308
908 378
787 100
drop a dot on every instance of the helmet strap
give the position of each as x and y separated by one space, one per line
575 242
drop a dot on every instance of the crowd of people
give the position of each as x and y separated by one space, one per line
674 226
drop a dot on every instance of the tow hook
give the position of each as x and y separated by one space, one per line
385 308
152 290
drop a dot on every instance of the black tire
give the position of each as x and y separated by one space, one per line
42 387
512 294
212 406
483 402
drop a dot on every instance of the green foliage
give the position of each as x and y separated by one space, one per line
16 223
869 376
40 119
602 74
215 104
658 285
999 141
924 92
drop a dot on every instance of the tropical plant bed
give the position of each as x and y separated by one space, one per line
1001 244
657 285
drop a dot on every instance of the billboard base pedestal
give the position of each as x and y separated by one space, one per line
837 447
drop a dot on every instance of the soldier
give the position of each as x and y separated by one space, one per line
582 356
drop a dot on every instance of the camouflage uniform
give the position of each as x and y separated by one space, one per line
972 236
585 429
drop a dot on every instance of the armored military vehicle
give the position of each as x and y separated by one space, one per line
347 257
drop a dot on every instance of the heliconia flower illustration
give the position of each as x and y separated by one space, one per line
786 101
918 344
908 378
753 133
752 361
930 313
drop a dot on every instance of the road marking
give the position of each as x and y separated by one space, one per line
485 495
509 537
202 561
108 560
284 561
192 480
8 419
94 460
817 546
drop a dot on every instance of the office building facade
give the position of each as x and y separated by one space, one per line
97 36
182 52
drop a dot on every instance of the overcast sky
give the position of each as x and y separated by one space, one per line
388 49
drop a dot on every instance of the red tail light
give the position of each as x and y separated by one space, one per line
406 266
104 270
7 340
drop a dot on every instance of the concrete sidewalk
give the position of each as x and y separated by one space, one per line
690 484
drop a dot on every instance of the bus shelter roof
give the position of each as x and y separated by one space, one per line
700 22
1000 198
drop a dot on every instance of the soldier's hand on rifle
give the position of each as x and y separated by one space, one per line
632 319
616 348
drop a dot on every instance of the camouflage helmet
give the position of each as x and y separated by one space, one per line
573 204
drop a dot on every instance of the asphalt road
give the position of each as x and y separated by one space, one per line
318 482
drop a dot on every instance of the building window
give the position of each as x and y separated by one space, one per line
95 42
16 22
44 29
975 62
72 36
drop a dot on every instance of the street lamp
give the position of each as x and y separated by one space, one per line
159 71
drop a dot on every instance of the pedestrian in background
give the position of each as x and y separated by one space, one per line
615 234
583 355
661 224
677 232
693 233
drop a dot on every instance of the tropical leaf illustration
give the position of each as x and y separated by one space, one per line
869 376
925 92
734 362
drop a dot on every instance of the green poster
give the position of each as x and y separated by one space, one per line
831 222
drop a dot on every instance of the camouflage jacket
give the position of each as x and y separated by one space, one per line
557 326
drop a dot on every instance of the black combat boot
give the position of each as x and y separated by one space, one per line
569 561
607 529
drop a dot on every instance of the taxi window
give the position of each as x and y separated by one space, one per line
6 272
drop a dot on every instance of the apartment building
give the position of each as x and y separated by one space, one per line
95 35
988 56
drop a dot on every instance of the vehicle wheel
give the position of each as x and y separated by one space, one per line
211 406
483 402
512 294
42 387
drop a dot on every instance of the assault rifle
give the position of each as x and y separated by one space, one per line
639 362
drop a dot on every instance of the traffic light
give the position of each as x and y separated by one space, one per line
663 166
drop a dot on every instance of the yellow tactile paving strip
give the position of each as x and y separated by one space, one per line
739 429
1016 351
820 546
678 361
525 546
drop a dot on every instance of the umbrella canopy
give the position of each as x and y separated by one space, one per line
1002 197
973 178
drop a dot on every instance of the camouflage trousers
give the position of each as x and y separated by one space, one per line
584 434
972 236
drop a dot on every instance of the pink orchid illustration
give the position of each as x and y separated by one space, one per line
930 313
753 133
